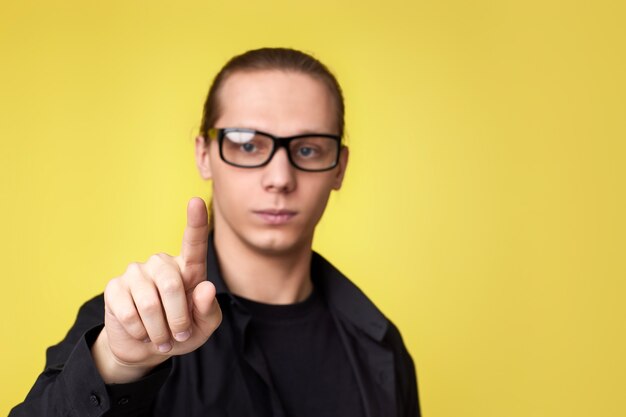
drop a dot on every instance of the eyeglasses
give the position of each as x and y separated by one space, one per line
248 148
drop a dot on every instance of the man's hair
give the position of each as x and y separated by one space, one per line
282 59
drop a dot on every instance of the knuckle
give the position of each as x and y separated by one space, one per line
138 334
127 317
170 285
112 291
163 256
159 336
148 305
158 259
133 269
191 263
112 286
155 259
194 269
178 323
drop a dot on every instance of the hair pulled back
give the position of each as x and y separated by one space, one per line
283 59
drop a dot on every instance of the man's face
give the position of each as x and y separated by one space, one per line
273 208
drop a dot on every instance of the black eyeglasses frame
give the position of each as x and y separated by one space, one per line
278 142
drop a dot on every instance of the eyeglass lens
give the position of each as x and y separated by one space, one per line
251 149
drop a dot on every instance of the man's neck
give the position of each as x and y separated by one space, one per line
271 278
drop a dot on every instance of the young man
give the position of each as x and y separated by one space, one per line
247 320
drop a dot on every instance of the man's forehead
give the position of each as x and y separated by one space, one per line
281 102
272 81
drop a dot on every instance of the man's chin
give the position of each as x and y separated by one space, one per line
279 242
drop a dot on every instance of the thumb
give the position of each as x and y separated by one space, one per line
207 314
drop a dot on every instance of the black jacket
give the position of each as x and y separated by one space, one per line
227 376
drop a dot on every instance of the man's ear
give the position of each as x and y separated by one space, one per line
342 165
203 162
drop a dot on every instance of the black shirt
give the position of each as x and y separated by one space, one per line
229 374
307 362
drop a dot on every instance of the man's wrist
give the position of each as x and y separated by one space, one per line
112 370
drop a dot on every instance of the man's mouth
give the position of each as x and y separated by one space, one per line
276 216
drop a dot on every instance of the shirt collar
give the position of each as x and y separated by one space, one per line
341 294
213 272
347 299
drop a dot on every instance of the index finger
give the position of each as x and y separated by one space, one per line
195 241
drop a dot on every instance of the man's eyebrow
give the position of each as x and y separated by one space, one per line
315 132
299 132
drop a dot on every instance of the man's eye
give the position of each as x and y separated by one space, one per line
306 151
248 147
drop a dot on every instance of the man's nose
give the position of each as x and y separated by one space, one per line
279 174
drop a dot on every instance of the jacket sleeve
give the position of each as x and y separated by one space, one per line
408 397
70 384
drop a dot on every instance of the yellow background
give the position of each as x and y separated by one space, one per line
483 209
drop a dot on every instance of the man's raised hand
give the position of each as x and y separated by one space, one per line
158 309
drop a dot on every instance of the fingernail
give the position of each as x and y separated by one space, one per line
182 336
164 347
146 340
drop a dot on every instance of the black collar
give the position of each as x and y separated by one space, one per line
342 296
